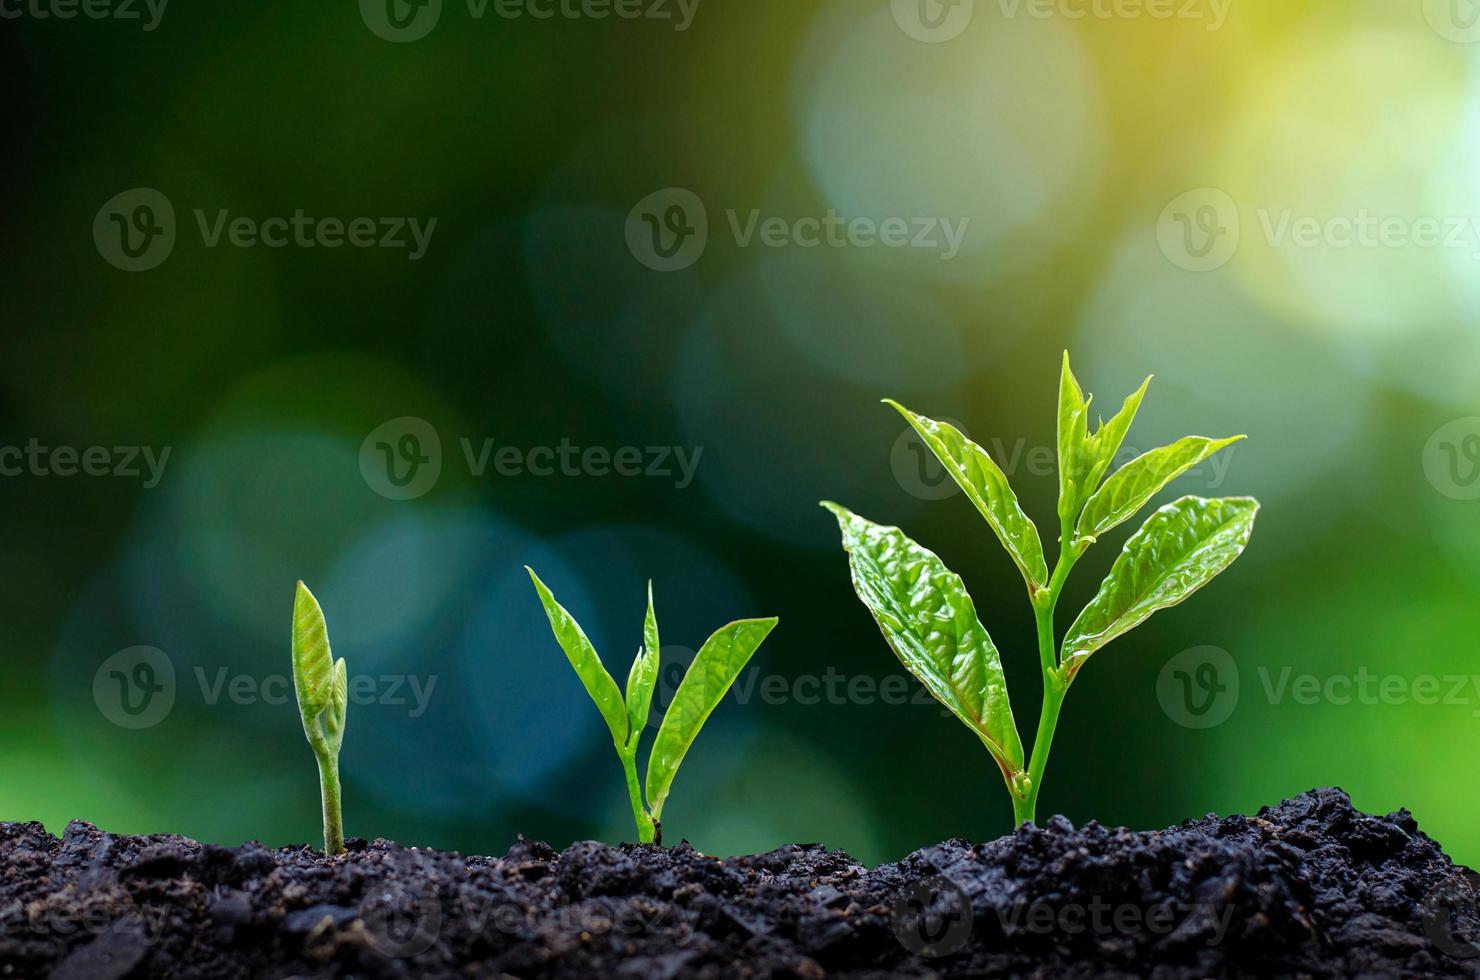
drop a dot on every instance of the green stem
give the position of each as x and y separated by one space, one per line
645 829
1054 689
329 792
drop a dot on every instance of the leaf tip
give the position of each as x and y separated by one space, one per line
897 407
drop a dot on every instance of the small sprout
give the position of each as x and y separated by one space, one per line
929 620
714 669
321 684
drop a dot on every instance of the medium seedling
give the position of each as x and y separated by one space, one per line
321 684
931 623
714 669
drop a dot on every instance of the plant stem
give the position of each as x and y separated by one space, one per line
645 830
329 792
1054 689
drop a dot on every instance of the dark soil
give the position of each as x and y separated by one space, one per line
1309 888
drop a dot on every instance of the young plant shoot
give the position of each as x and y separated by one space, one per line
714 669
321 684
931 623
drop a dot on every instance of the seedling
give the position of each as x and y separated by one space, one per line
321 684
714 669
931 623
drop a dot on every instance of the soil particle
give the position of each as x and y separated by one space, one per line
1310 888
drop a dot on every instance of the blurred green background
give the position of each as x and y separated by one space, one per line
1182 194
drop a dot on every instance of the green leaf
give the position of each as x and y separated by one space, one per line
583 657
1179 549
1084 458
930 622
313 664
1135 483
715 667
987 487
338 705
643 676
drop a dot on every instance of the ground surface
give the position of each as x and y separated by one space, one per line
1309 888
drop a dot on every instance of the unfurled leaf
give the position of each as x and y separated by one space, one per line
987 487
1179 549
587 663
313 664
1084 458
643 676
930 621
715 667
1135 483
